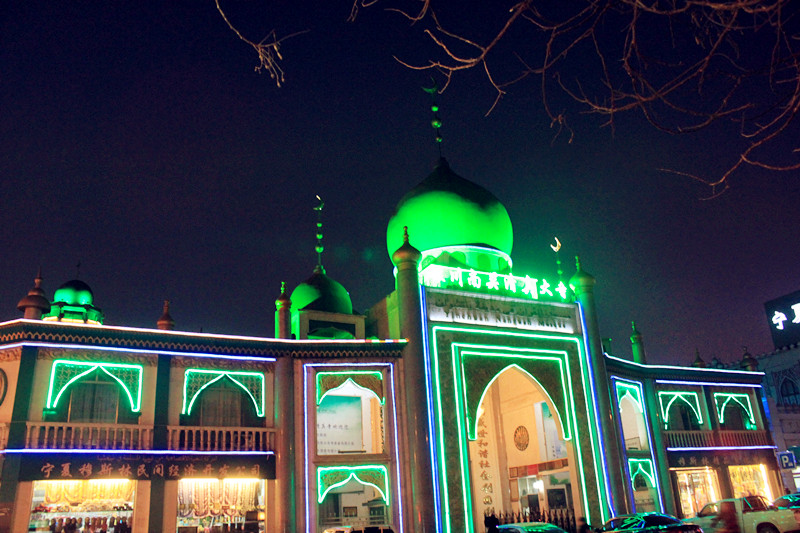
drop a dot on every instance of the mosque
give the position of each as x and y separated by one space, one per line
470 390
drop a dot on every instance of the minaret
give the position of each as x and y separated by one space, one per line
420 493
166 322
35 304
283 314
637 346
584 283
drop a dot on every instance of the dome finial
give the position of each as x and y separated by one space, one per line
35 304
436 122
166 322
319 248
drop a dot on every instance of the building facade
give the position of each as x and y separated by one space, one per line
468 391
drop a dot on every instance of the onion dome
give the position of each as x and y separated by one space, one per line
698 361
166 322
35 304
748 361
581 278
406 253
321 293
74 302
448 210
283 300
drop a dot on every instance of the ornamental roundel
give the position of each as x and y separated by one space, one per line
521 438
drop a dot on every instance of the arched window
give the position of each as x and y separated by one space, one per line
223 403
95 398
790 395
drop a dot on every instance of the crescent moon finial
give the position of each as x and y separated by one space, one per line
557 246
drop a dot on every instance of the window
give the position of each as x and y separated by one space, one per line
96 398
223 404
790 395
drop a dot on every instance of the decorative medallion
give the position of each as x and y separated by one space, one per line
521 438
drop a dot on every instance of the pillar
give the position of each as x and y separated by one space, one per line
422 503
584 283
285 454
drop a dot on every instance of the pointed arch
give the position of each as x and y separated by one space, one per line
64 373
331 477
196 380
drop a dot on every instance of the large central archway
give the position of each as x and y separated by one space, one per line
520 460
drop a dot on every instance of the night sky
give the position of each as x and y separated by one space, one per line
137 139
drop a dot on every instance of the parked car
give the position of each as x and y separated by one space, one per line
530 527
789 501
359 529
754 514
648 523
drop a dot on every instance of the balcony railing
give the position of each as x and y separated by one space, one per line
704 439
220 439
88 436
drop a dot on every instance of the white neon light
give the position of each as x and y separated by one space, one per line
692 369
707 383
204 335
721 448
129 452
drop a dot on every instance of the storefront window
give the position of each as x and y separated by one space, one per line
353 504
227 504
96 504
750 480
696 488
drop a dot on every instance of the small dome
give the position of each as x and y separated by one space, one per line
74 292
322 293
448 210
406 252
35 302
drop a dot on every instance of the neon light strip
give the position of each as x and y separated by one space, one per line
506 352
204 335
426 352
639 468
52 403
640 387
524 335
721 448
679 395
187 409
139 350
306 379
129 452
353 475
708 383
742 399
636 398
692 369
599 452
377 374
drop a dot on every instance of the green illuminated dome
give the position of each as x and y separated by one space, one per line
74 292
446 210
321 293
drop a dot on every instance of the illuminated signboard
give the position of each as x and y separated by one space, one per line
453 278
783 315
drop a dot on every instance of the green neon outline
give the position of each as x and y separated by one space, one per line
735 396
635 467
679 395
377 373
353 475
636 397
52 403
187 409
566 432
464 466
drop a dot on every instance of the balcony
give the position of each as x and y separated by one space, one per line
708 439
220 439
88 436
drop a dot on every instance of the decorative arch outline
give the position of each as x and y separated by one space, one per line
367 380
642 467
722 399
667 398
196 380
331 477
65 372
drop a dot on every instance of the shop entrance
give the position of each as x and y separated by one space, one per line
221 505
521 466
91 504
